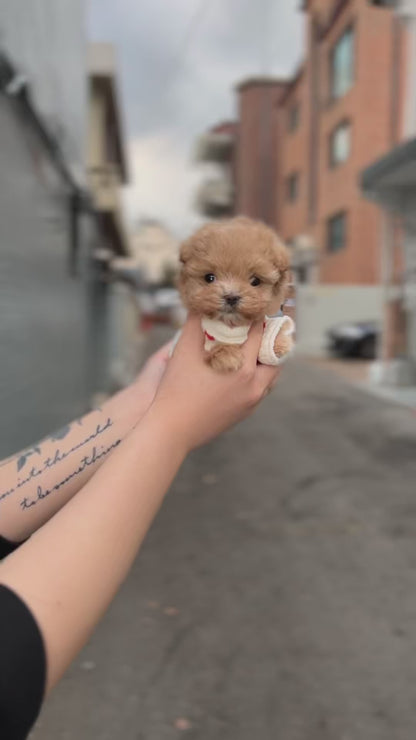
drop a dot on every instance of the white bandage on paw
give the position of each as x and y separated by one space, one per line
272 327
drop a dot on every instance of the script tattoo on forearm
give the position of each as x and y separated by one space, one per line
54 459
41 493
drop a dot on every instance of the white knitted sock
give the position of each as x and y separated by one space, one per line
273 327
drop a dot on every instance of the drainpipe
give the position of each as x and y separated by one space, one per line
386 278
406 11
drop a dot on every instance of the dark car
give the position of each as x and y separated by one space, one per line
354 339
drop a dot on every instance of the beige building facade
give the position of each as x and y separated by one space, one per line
155 251
106 161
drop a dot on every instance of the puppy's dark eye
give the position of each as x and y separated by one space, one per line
209 278
255 281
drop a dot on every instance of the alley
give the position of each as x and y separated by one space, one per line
275 597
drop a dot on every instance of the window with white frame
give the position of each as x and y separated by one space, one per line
342 64
340 144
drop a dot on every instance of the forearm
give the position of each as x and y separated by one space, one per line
68 572
37 482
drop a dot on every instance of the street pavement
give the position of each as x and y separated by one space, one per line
275 596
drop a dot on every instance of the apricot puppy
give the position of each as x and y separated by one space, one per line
233 273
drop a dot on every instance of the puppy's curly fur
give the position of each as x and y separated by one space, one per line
235 271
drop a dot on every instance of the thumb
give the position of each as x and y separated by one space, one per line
162 355
155 367
252 345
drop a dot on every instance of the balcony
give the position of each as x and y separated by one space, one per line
105 186
215 146
303 252
215 198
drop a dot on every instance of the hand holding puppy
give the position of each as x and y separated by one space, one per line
201 404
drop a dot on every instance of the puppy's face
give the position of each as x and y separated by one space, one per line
233 271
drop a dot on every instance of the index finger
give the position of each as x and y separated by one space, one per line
191 336
252 346
267 375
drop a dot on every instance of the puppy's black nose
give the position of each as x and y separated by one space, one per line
231 299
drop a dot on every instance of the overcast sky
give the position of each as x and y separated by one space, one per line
178 61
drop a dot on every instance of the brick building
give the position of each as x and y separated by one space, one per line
342 111
391 183
257 149
301 144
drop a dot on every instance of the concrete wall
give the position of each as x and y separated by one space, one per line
45 39
96 156
319 307
125 340
44 315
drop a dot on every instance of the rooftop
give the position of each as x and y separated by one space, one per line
261 81
291 84
101 59
224 127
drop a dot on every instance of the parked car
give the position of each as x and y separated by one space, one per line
354 339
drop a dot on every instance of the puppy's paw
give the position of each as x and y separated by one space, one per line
282 344
225 358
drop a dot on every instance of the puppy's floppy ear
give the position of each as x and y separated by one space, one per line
282 264
186 250
198 242
281 287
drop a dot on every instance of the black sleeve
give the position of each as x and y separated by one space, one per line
22 667
7 547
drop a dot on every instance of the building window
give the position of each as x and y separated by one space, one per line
342 64
293 117
340 144
292 187
337 232
303 274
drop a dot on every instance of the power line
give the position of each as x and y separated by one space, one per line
178 58
189 34
266 17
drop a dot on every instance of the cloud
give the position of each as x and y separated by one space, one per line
163 183
178 62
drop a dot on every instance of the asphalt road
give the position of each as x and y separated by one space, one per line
275 597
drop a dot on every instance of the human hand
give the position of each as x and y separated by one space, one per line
200 403
148 380
129 405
